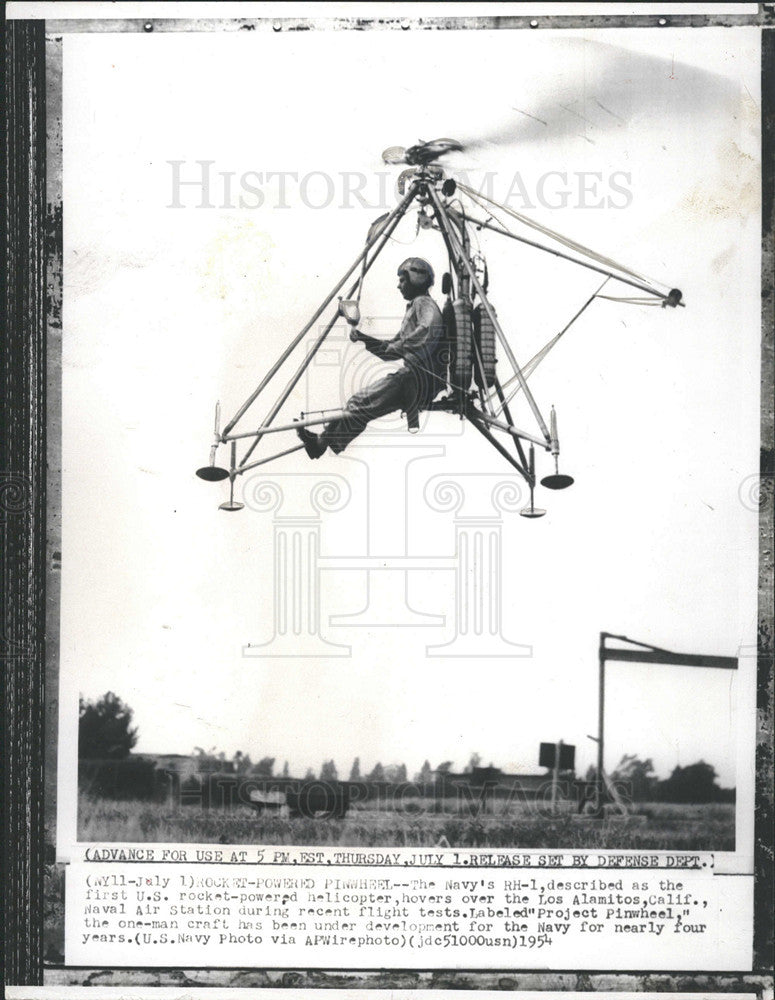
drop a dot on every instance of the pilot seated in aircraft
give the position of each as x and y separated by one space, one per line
420 344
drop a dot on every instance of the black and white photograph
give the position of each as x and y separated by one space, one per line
404 506
494 439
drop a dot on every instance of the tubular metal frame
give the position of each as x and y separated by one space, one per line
452 225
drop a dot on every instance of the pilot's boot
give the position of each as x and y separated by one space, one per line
314 444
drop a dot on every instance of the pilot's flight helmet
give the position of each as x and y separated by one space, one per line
420 271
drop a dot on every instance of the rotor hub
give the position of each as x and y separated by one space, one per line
422 153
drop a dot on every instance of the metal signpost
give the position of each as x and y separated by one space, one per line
644 653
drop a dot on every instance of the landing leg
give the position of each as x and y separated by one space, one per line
531 510
231 503
211 472
556 481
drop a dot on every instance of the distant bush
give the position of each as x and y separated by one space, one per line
105 730
695 783
124 780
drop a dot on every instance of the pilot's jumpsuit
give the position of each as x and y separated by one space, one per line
420 344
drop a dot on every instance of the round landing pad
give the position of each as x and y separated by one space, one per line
212 473
231 505
557 481
532 512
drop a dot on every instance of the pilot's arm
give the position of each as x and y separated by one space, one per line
381 348
427 321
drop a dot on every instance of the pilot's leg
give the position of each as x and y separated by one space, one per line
377 400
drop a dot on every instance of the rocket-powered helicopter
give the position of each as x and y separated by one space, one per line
483 375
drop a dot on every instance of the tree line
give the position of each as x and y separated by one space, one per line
106 733
694 783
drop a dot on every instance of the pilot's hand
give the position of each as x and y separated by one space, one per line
355 335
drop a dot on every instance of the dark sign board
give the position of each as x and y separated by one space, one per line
567 756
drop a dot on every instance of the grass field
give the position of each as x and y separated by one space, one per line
654 826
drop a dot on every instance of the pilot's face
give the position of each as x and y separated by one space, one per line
405 286
407 289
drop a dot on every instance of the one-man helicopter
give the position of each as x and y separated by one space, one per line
449 356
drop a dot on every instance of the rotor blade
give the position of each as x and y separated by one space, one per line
598 88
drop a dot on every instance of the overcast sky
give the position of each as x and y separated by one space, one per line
640 144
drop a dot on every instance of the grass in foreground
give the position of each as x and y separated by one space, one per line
663 827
